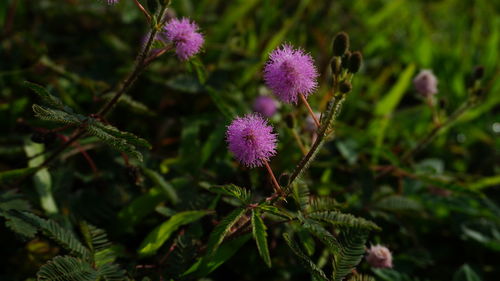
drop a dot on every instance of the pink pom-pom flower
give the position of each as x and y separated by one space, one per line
426 83
265 106
290 72
379 257
251 140
185 36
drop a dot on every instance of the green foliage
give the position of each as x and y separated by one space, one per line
222 229
54 231
161 233
9 201
242 194
54 115
305 260
260 236
351 251
66 268
344 220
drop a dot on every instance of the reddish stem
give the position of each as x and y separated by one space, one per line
277 187
316 121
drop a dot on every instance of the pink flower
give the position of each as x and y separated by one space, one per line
265 106
290 72
379 257
251 140
185 36
426 83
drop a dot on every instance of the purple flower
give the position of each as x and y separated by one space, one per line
290 72
265 106
426 83
251 140
185 36
379 257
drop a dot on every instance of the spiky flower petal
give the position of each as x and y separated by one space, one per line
251 140
185 36
290 72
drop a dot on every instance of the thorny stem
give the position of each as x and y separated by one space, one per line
277 187
311 112
125 86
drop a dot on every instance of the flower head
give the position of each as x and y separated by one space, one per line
251 140
290 72
379 257
426 83
265 106
185 36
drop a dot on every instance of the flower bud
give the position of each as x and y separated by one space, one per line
478 72
345 60
345 87
426 83
340 44
379 257
336 66
355 61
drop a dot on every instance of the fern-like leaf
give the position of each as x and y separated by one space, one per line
53 230
127 136
111 272
240 193
323 204
305 260
66 268
397 203
57 116
222 229
341 219
260 236
117 143
46 97
350 252
316 229
301 195
361 277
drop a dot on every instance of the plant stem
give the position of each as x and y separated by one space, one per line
311 112
437 129
277 187
125 86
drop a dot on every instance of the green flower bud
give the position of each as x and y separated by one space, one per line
355 61
340 44
345 87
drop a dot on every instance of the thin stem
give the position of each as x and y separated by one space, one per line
148 16
277 187
126 85
311 112
436 130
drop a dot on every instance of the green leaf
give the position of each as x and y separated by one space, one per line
111 272
64 237
66 268
206 265
276 211
117 143
338 218
321 233
242 194
140 207
166 187
9 200
304 259
57 116
42 178
260 236
361 277
128 137
397 203
301 195
222 229
160 234
350 253
466 273
386 106
46 97
10 176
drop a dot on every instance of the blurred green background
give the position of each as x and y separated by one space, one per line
437 215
